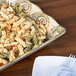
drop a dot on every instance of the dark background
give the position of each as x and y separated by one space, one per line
64 11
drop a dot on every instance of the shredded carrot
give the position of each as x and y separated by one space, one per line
13 45
9 48
7 7
6 29
1 64
9 13
12 12
38 22
14 54
44 24
7 23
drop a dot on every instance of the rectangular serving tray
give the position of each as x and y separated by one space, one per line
35 13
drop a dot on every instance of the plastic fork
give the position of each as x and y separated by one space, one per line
70 59
68 68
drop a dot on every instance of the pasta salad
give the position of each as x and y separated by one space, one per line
18 33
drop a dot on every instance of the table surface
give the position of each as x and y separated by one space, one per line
64 11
